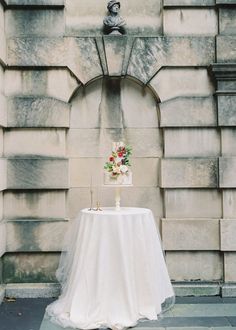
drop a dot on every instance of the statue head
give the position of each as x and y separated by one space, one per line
111 3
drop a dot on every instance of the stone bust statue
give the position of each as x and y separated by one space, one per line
114 23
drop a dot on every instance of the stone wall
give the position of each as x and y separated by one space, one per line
66 92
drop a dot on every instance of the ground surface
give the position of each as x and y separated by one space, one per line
189 313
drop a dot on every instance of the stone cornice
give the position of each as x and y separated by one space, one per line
222 71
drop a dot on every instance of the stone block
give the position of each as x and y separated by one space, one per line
1 206
228 290
227 110
205 142
37 173
30 267
180 21
139 107
85 17
83 59
161 51
33 290
34 51
81 172
34 205
115 52
1 17
188 111
198 266
227 167
146 142
3 46
3 111
22 22
197 290
149 197
170 83
35 235
227 235
189 173
189 3
227 21
53 3
226 49
230 266
58 83
197 203
190 234
85 108
228 141
225 2
3 174
31 142
229 203
37 112
2 239
2 293
1 141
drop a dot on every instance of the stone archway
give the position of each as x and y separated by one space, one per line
107 110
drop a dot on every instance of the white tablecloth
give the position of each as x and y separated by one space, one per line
118 274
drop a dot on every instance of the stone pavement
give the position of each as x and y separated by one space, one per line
189 313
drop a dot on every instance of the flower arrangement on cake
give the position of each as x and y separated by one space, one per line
118 167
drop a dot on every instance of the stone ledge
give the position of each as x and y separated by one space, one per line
32 290
2 293
196 289
34 3
188 3
228 290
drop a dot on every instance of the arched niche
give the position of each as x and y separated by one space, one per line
107 110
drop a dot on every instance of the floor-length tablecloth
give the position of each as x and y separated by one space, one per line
118 273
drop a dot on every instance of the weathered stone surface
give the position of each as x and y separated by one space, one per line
30 267
115 52
146 142
189 3
2 240
228 232
1 205
230 266
225 2
47 23
175 82
2 292
37 173
190 234
150 197
229 203
3 174
34 51
197 203
145 172
205 142
189 172
30 290
228 290
160 51
227 21
223 43
228 141
179 21
227 110
58 83
83 59
187 266
36 2
41 142
3 111
37 112
227 167
188 111
35 205
196 289
2 35
25 236
1 142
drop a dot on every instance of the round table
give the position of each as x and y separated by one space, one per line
117 274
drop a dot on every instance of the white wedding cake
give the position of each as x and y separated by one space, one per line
118 167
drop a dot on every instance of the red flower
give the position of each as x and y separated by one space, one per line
111 159
120 154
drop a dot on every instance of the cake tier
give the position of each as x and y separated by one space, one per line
122 179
